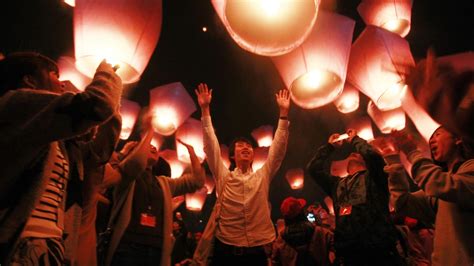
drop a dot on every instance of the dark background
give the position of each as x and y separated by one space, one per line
244 84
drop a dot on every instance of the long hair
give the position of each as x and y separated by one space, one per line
465 149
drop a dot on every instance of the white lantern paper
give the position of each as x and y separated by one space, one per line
263 135
157 141
378 63
392 15
363 126
267 27
348 101
260 155
315 72
190 132
295 178
195 201
387 121
209 183
68 71
171 105
177 167
129 111
124 32
70 2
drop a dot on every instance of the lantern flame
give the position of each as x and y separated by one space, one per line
271 8
348 101
263 135
295 178
164 121
195 201
387 121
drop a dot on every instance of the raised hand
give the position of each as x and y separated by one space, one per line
283 101
335 140
204 95
405 142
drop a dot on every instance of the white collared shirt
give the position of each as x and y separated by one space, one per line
245 213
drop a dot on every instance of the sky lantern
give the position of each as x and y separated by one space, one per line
378 63
315 72
171 105
129 111
260 155
387 121
295 178
209 183
125 32
70 2
195 201
348 101
263 135
68 71
177 167
190 132
363 126
157 141
339 168
268 27
392 15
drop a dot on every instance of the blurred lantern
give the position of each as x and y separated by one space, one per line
195 201
363 126
190 132
268 27
420 118
176 201
68 71
209 184
295 178
70 2
177 167
260 155
378 63
339 168
157 141
225 155
125 32
171 105
315 72
392 15
129 111
348 101
330 204
387 121
263 135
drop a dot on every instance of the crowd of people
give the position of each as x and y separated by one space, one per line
60 166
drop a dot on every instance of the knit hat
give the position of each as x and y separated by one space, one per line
292 207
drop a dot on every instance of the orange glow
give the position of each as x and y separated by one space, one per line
386 121
295 178
124 32
68 71
209 184
329 203
348 101
263 135
177 201
339 168
171 105
260 155
315 72
204 29
268 27
157 141
70 2
129 111
177 167
195 201
191 133
378 63
225 155
392 15
363 126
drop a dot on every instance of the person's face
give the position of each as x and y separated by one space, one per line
443 145
243 152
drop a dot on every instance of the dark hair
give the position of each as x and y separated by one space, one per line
465 149
161 167
232 149
17 65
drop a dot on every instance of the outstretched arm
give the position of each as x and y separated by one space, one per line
189 183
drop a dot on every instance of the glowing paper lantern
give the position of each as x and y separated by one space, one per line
378 62
195 201
225 155
209 184
171 105
330 204
315 72
190 133
263 135
157 141
268 27
177 167
363 126
295 178
392 15
125 32
339 168
129 111
260 155
348 101
387 121
70 2
68 71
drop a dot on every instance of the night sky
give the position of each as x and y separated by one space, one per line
244 84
